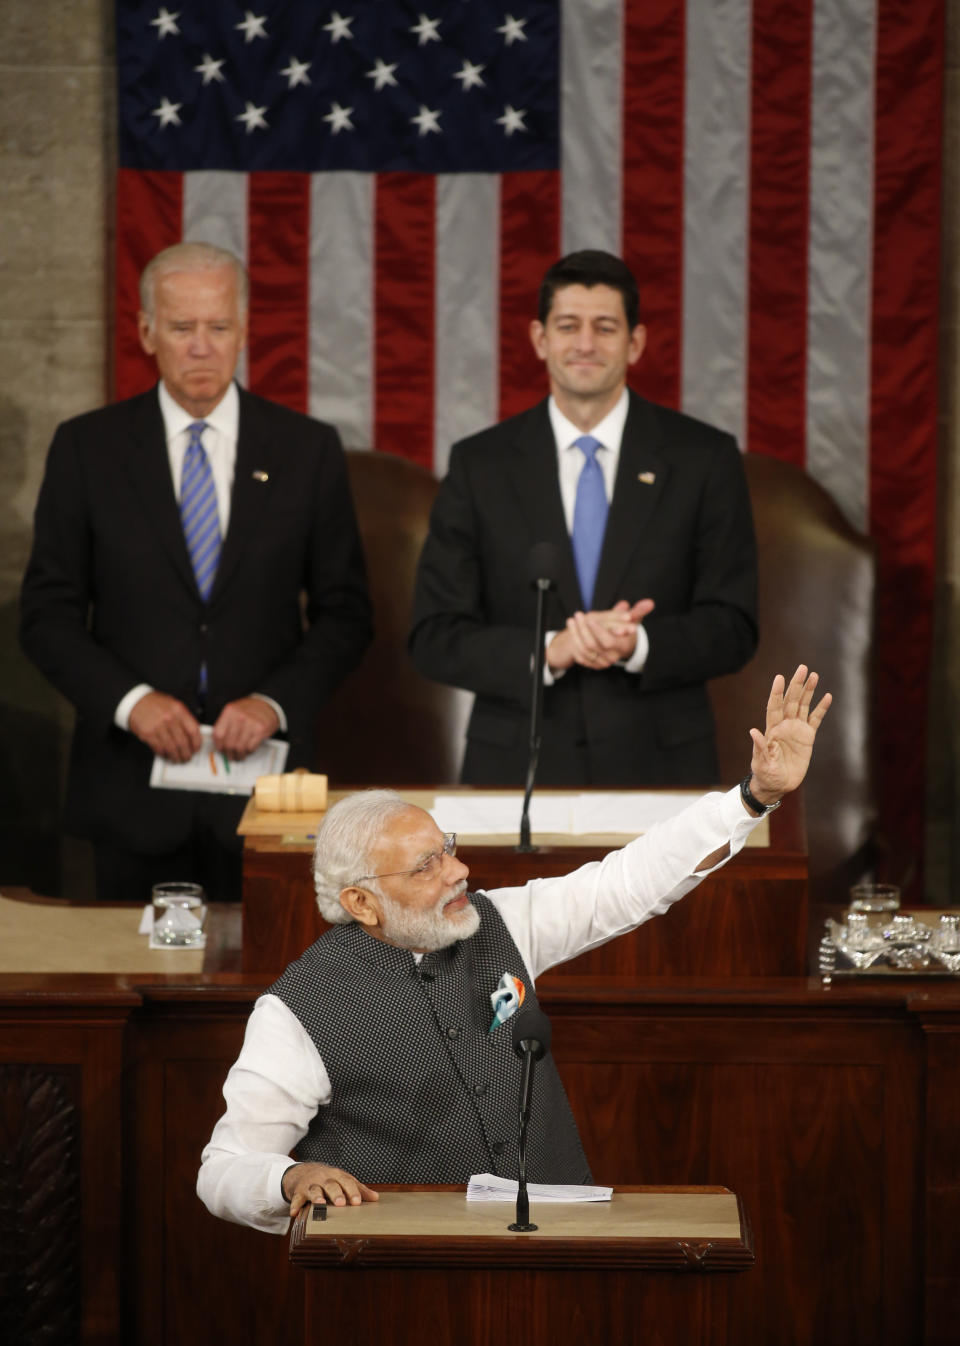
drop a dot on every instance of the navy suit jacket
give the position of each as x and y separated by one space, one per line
679 531
109 599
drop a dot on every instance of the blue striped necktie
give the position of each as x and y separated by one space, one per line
589 518
198 511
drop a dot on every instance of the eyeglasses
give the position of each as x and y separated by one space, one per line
428 868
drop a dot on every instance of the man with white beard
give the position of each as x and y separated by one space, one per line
380 1051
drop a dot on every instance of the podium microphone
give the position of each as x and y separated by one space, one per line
543 566
531 1042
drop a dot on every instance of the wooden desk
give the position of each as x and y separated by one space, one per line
749 919
831 1113
604 1272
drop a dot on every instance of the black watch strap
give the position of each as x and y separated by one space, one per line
751 801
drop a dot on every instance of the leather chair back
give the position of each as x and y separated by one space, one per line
386 723
816 606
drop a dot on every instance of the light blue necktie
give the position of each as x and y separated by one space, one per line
198 511
589 518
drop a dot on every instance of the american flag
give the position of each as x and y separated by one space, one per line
397 176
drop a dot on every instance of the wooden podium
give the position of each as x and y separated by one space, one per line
426 1265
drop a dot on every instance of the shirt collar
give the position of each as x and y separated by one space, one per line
224 418
608 431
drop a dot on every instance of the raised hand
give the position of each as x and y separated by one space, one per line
781 754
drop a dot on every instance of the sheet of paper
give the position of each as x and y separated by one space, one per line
213 771
631 813
488 1187
493 815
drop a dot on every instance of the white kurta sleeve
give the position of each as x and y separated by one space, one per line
552 920
272 1093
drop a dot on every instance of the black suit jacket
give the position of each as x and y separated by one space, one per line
109 599
680 531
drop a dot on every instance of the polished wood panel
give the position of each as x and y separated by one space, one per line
474 1289
61 1049
832 1113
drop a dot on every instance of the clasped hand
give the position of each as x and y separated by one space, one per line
167 727
598 640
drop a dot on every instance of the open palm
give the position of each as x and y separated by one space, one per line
781 754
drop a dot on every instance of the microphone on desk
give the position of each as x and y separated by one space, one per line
544 563
531 1042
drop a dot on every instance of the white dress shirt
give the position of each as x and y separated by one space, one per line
570 463
279 1080
219 439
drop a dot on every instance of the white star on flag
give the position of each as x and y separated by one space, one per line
251 27
165 23
253 118
512 30
469 75
512 119
210 69
382 74
339 118
167 112
338 27
426 30
427 120
296 72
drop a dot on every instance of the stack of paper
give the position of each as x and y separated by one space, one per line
488 1187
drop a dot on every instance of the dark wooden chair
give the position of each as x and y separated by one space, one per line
387 724
816 606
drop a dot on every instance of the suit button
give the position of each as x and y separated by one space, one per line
479 1090
453 1032
203 628
498 1147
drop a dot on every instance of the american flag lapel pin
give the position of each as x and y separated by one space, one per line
648 478
260 475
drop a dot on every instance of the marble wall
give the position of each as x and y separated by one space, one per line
56 172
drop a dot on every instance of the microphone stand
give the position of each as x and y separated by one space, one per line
522 1223
542 587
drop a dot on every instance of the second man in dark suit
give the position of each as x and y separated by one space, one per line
649 515
195 561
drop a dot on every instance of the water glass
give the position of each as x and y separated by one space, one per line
179 912
875 897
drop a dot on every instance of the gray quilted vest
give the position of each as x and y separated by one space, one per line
422 1091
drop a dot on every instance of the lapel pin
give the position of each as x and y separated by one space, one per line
260 475
648 478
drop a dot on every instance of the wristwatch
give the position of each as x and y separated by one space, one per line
751 801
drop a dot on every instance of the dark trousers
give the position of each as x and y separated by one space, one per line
126 876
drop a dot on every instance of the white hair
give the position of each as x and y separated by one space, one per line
189 257
345 839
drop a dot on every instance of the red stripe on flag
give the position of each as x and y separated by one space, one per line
903 414
653 108
405 237
529 245
149 218
278 263
779 228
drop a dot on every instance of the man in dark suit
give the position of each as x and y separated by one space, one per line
195 561
649 516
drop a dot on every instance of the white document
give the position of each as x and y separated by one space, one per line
488 1187
483 815
213 771
630 813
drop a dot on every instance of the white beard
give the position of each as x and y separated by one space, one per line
431 929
